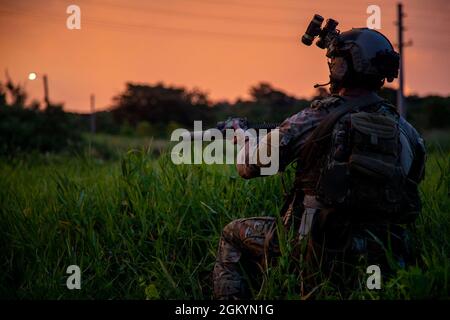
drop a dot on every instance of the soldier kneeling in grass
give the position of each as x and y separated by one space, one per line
358 166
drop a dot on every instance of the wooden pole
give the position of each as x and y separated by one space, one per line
46 98
400 94
93 124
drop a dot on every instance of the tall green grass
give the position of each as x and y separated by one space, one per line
143 227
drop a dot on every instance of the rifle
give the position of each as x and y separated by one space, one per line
232 123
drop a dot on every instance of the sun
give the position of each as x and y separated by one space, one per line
32 76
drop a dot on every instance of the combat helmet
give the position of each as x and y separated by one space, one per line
361 57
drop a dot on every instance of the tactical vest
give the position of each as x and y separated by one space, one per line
351 162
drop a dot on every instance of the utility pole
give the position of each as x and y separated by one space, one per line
93 129
46 98
400 29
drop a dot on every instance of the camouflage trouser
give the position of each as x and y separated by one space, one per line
245 245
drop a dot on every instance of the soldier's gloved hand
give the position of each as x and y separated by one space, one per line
238 125
232 123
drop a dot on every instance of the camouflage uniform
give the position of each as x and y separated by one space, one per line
254 240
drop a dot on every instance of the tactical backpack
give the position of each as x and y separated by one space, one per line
357 152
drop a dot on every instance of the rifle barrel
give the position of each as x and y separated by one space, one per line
259 126
198 135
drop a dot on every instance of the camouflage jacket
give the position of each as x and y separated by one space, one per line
294 131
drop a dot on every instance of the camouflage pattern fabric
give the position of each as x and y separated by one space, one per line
293 133
253 242
246 240
242 241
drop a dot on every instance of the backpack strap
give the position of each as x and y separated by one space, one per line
319 137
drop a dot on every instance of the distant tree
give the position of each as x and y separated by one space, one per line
159 104
389 93
270 104
16 92
24 128
2 96
438 110
321 93
144 128
264 93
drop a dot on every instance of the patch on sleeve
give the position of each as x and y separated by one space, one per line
325 102
316 104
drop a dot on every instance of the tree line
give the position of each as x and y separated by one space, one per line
155 110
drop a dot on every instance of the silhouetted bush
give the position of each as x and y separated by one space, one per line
24 129
27 129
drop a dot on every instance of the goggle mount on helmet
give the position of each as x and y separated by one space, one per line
359 53
326 34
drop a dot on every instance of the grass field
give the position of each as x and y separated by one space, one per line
141 227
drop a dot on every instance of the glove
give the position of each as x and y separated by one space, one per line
234 124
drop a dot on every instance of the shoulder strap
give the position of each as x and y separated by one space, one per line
319 137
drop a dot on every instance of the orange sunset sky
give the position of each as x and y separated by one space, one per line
219 46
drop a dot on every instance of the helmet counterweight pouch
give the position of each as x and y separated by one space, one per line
375 145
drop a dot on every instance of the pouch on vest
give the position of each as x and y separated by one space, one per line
363 173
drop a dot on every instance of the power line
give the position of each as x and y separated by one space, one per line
400 29
347 7
184 14
245 20
173 30
190 14
247 36
259 5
